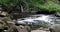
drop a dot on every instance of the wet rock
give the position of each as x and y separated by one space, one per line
57 14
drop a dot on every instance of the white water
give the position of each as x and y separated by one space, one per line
37 19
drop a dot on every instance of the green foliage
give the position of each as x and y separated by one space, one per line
35 27
42 4
44 25
49 5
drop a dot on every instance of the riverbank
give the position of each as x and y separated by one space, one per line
39 31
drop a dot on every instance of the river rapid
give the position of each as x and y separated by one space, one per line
38 19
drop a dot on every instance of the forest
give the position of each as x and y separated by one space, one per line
27 5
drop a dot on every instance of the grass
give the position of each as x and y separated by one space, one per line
50 5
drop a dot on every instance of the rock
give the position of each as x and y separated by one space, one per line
5 22
38 31
8 25
57 14
4 13
41 28
23 28
55 28
2 24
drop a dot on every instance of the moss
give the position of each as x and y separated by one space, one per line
35 27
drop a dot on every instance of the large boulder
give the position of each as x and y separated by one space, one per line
55 28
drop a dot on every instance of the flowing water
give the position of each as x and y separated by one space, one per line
39 19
